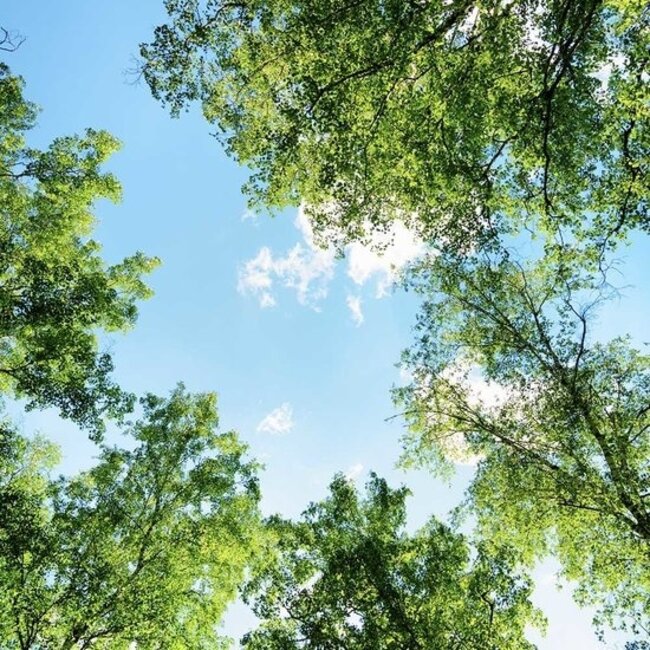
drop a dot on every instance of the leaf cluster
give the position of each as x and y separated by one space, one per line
348 575
148 547
462 119
56 293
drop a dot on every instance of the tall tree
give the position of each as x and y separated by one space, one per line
348 575
468 119
147 548
507 371
56 293
459 118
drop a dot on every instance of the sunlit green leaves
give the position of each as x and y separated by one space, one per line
505 368
147 547
347 575
462 118
56 293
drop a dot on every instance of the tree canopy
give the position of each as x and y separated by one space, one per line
460 118
487 127
506 373
348 575
476 123
148 547
56 293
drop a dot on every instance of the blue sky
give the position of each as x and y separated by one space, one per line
305 385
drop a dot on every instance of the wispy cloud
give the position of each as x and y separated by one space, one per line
309 269
278 421
267 300
480 393
255 277
305 268
354 305
382 260
249 215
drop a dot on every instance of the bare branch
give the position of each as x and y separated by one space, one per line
10 40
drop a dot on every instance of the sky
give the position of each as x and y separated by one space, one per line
301 347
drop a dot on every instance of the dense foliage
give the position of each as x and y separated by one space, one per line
458 118
147 547
56 293
506 372
348 575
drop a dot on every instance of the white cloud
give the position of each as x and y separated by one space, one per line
384 257
256 274
618 62
483 392
305 268
354 472
279 420
309 269
405 375
266 300
355 620
458 451
354 305
480 393
548 580
303 224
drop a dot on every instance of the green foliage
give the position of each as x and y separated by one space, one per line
474 122
56 293
505 371
148 547
459 118
347 575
